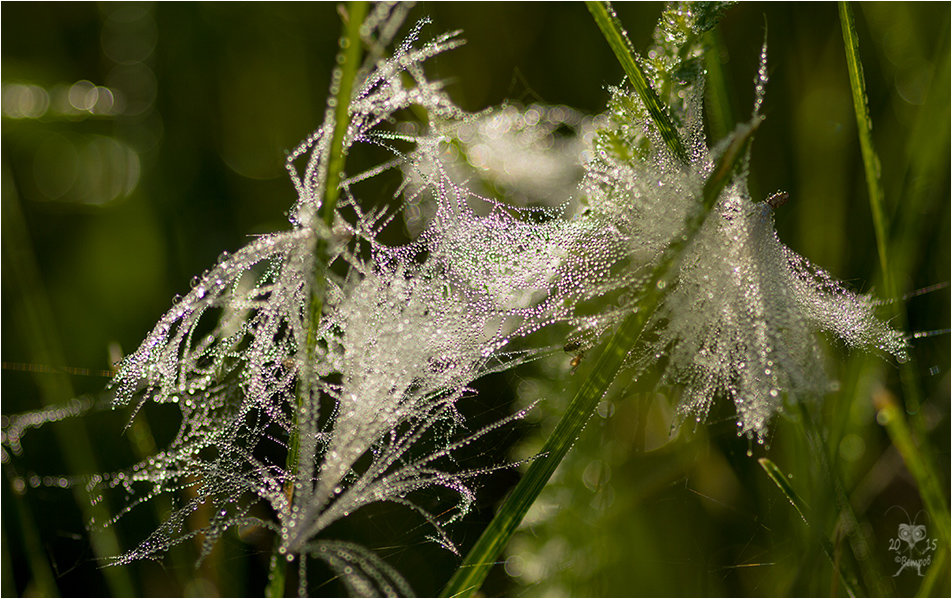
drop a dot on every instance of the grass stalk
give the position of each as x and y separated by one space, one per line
903 432
35 315
892 418
617 38
938 568
873 170
342 85
777 476
475 567
43 579
864 127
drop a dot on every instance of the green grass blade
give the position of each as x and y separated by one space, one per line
617 38
43 579
777 476
277 573
873 171
938 568
472 572
33 315
892 418
902 433
864 127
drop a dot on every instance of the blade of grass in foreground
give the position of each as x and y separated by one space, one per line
34 314
43 580
873 171
471 573
938 568
891 417
902 432
864 127
615 35
779 479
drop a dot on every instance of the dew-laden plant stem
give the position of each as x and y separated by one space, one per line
864 127
342 85
617 38
873 171
472 572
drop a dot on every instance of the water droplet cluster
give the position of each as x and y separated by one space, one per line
403 330
742 317
522 217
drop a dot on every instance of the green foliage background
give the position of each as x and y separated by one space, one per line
220 91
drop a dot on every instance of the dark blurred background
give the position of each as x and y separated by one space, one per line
139 141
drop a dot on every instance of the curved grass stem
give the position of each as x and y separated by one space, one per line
617 38
892 418
907 434
864 127
472 572
874 185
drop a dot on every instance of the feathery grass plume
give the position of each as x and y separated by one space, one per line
531 156
539 262
401 336
742 318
